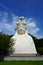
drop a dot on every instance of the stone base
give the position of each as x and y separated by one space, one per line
34 58
24 55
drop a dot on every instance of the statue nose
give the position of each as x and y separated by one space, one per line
20 29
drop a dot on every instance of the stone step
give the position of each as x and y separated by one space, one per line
35 58
20 55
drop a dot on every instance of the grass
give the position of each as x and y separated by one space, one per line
21 62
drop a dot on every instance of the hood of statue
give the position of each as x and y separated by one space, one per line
21 26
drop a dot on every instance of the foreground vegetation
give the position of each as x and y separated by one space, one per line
4 44
21 63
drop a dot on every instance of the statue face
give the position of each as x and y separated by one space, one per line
21 28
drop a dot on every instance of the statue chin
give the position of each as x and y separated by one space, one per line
21 32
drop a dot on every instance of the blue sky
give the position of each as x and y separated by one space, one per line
32 10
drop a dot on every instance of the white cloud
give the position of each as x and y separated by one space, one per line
0 30
9 27
31 24
4 25
32 27
4 16
40 36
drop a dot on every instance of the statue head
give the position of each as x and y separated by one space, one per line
21 18
21 25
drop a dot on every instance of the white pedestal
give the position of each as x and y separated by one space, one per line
23 44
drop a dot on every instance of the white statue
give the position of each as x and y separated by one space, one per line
22 42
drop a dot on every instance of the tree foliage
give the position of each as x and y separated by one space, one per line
4 43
